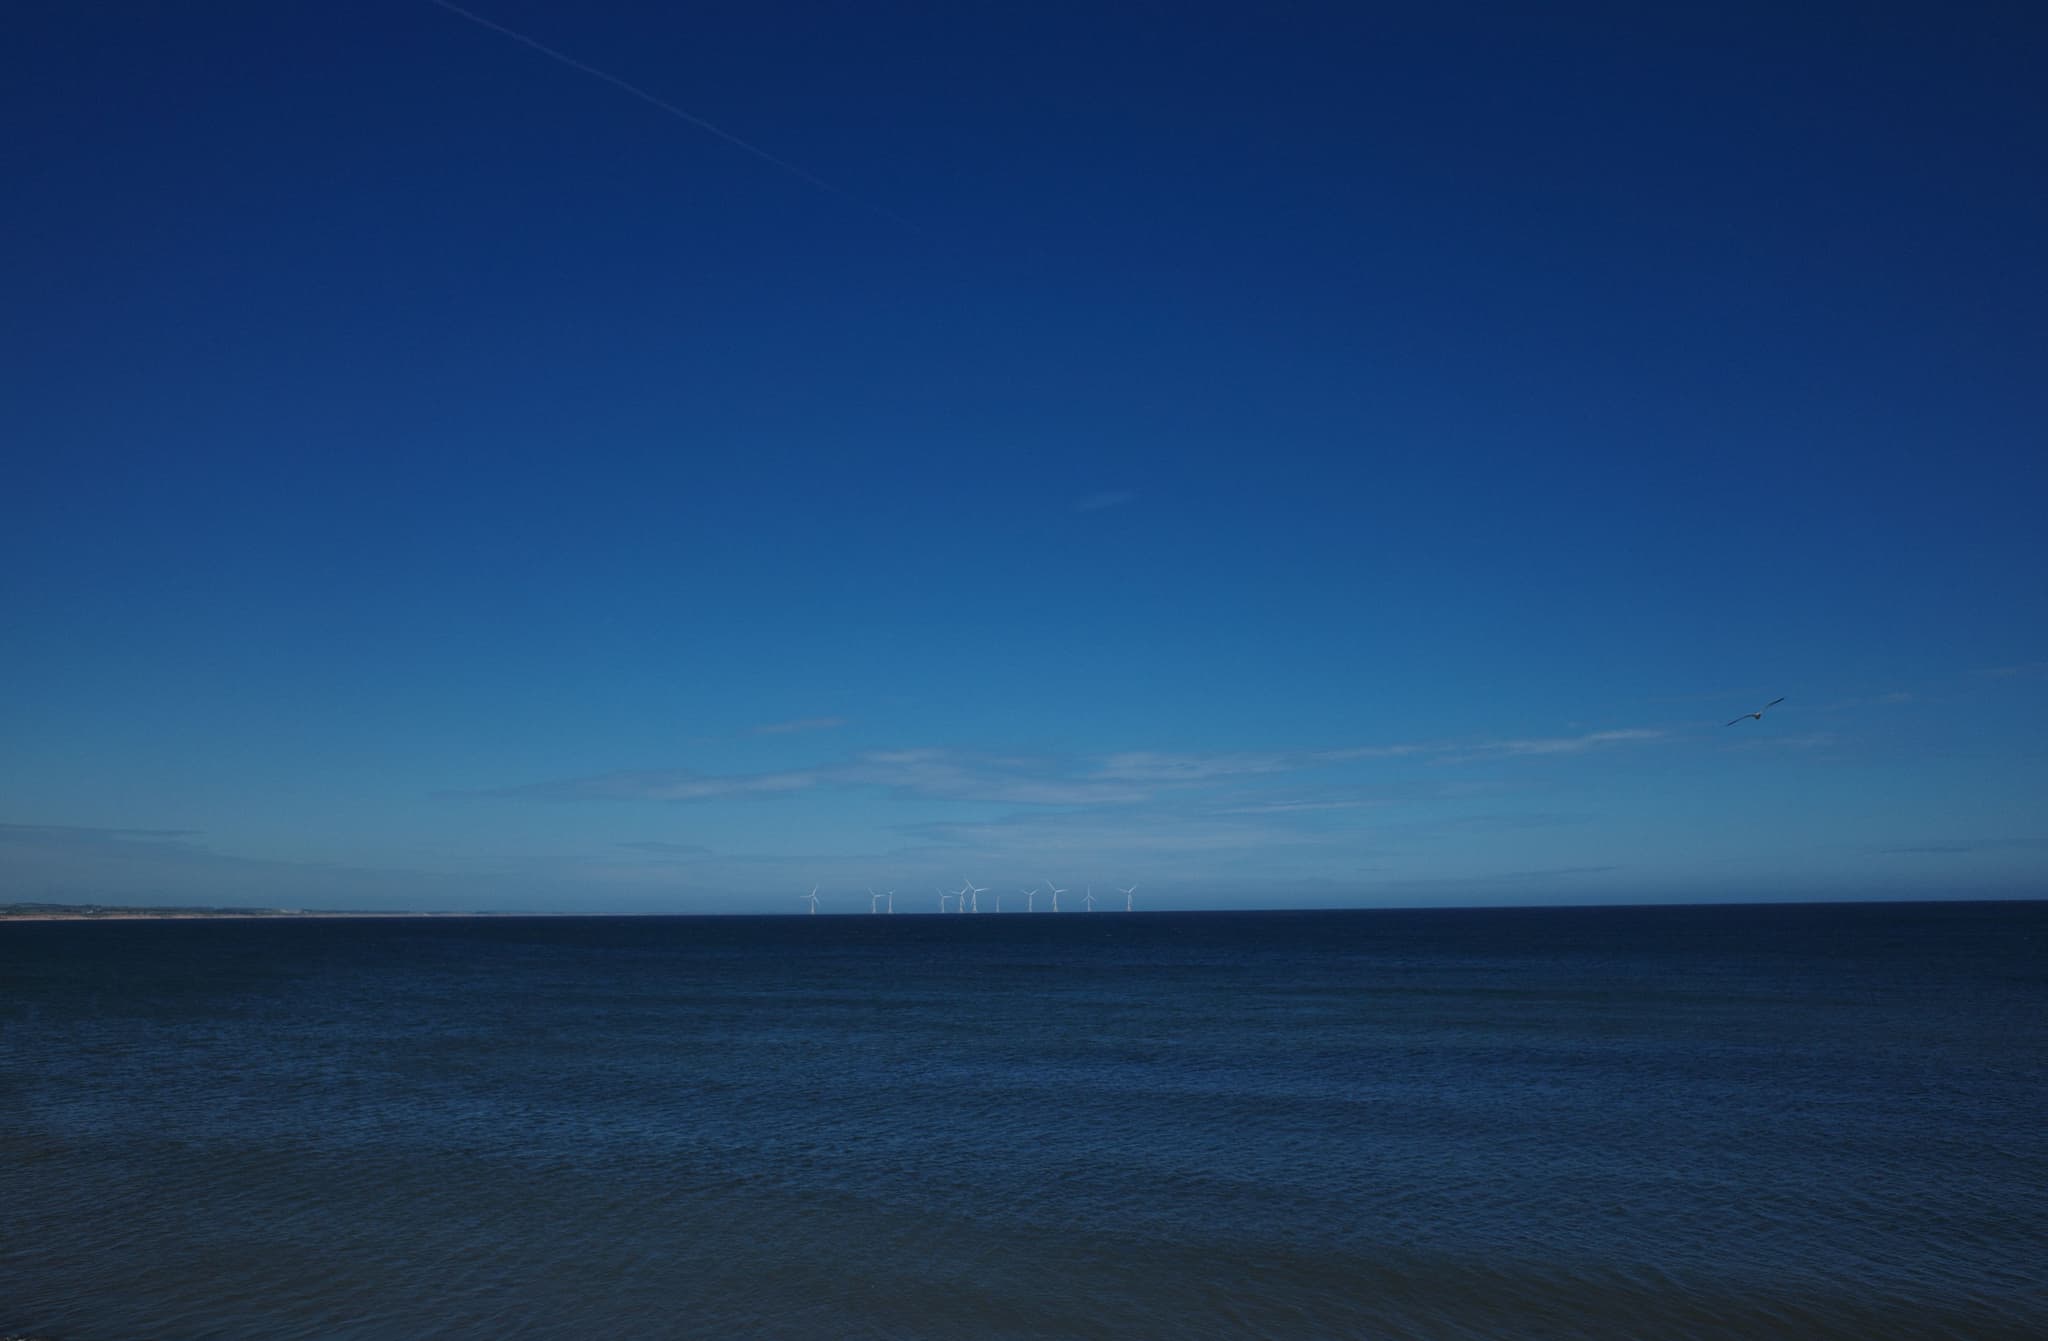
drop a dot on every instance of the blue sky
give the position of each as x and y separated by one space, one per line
1312 455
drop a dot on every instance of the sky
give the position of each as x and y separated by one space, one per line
630 457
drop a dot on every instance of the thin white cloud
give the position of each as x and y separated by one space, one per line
1505 878
1870 701
799 724
943 774
936 774
1351 752
1295 807
660 785
1152 766
1121 779
1172 768
1810 740
169 867
1031 839
1592 740
104 839
1954 847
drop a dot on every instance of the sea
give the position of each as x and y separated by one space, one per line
1798 1121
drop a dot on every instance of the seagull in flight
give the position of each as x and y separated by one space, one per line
1758 715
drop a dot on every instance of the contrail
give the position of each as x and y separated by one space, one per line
675 111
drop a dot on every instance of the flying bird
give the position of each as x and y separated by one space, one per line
1758 715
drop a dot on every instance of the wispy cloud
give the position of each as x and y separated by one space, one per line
1169 768
947 774
1033 838
1890 700
1109 498
155 841
1121 779
1951 847
799 724
1503 820
1809 740
77 864
1523 747
1592 740
930 773
662 849
2025 670
659 785
1511 878
1705 696
1152 766
1297 807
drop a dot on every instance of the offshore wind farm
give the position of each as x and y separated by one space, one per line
964 900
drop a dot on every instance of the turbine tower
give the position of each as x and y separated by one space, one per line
813 897
874 901
1127 893
892 903
1056 892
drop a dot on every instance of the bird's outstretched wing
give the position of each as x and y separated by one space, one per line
1759 713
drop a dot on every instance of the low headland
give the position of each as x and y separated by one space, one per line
103 912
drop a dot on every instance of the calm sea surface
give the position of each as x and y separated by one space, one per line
1659 1123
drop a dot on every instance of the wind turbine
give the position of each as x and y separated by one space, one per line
1031 899
943 896
1056 892
999 900
892 903
974 893
874 901
1758 715
813 897
1127 893
1088 899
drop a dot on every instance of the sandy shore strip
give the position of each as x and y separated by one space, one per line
224 915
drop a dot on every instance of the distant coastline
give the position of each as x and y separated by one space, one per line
94 912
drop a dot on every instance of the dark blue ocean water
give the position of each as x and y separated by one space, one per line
1819 1121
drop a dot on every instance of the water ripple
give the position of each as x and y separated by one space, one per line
1355 1127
